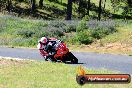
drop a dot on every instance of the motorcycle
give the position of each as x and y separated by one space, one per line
61 53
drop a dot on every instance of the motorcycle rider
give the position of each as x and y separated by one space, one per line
45 46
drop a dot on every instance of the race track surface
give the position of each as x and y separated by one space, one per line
120 63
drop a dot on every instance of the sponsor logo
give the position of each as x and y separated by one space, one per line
83 78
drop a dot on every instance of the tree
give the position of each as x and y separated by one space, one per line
129 2
80 7
128 9
104 3
40 3
33 5
9 5
88 7
1 5
69 10
99 10
116 4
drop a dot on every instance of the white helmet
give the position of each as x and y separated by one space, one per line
43 40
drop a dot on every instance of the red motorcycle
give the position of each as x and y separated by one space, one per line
61 53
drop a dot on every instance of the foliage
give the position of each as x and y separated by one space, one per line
86 18
81 26
23 32
70 28
101 32
56 32
57 24
85 37
56 9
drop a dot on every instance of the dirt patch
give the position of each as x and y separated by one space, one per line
118 46
114 48
6 62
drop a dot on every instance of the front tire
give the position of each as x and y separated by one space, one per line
74 60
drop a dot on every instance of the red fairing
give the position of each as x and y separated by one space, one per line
62 50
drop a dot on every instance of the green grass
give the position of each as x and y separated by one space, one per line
124 35
25 32
17 32
119 42
40 74
108 6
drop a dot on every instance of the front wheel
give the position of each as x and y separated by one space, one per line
74 60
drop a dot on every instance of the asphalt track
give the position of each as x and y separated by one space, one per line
120 63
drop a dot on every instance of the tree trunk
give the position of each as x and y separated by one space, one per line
33 5
99 10
9 4
79 7
129 2
40 3
88 7
1 5
69 10
104 3
61 1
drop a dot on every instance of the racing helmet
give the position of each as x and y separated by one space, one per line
44 40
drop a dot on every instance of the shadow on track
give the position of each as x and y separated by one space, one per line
74 63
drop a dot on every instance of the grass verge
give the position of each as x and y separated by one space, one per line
40 74
117 43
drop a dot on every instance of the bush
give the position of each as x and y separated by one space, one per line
81 26
26 33
73 40
101 32
98 33
70 28
39 34
73 32
58 33
84 37
112 29
57 24
53 31
27 42
86 18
